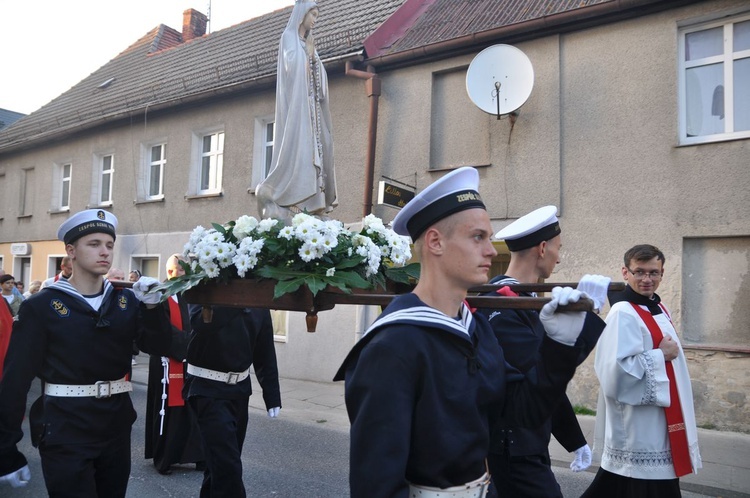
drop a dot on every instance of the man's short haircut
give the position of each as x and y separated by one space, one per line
643 252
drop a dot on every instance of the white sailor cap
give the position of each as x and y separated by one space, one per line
456 191
531 229
86 222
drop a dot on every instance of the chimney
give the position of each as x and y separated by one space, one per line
193 24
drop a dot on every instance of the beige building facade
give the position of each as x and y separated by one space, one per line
610 135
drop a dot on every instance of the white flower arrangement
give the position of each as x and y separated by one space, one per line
309 252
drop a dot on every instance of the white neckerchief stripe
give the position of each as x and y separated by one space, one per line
64 286
424 315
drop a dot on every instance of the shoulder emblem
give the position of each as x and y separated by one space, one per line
60 308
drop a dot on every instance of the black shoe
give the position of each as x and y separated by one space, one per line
165 472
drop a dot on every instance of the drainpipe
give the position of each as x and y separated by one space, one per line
372 88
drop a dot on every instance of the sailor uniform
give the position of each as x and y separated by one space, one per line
62 340
428 382
231 342
519 460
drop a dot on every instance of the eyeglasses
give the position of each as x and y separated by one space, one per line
640 274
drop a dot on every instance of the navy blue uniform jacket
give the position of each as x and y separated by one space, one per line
233 340
419 393
520 333
62 340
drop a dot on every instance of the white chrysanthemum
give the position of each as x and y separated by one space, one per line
266 225
243 263
373 260
212 237
287 232
329 241
300 218
305 232
206 250
308 252
196 235
244 226
224 254
371 221
333 227
211 269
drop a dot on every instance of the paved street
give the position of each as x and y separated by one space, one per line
303 453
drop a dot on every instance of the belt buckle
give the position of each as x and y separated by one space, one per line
103 392
233 378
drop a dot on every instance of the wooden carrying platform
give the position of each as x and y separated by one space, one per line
250 293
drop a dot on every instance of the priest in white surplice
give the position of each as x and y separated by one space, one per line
645 421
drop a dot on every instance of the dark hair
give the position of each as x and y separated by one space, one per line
5 278
643 252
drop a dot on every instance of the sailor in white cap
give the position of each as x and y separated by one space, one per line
519 460
421 382
77 336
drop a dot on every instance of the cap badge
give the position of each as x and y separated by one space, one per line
100 215
123 303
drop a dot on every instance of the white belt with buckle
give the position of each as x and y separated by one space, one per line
102 389
473 489
226 377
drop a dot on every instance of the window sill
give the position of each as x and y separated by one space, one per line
148 201
712 139
21 216
59 211
193 197
107 205
443 169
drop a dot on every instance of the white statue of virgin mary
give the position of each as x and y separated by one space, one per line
302 176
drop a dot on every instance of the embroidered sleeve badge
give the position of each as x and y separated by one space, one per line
60 308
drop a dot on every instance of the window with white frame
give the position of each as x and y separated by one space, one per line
263 150
211 163
714 80
151 179
62 174
66 172
106 176
27 190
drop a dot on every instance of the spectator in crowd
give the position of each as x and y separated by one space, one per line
66 268
134 275
14 299
34 287
115 274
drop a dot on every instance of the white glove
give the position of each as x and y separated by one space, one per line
274 412
563 327
19 478
141 287
595 287
582 460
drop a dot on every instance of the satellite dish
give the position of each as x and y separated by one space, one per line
500 79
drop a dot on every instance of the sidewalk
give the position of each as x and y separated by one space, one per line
726 455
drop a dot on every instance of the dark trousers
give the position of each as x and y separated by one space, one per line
223 425
529 476
100 469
